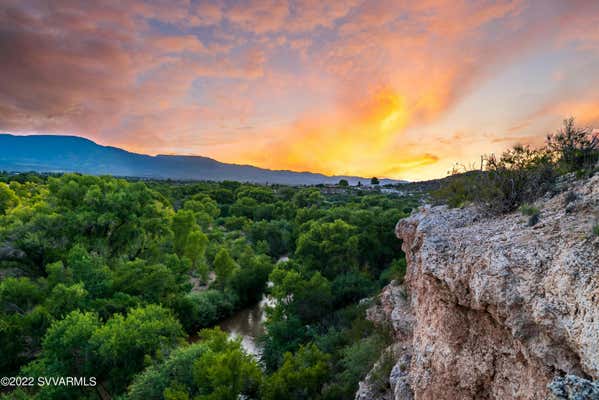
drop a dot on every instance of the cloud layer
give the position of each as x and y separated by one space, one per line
388 88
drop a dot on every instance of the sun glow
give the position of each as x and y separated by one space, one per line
366 132
390 120
392 107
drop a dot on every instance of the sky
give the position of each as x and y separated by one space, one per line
398 89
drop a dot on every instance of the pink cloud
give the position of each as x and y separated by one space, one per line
304 75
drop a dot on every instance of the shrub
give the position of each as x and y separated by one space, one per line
532 212
523 174
574 148
596 229
396 271
570 197
458 190
356 360
518 176
379 376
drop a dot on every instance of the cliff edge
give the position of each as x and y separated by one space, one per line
492 308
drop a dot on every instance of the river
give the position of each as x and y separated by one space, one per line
248 324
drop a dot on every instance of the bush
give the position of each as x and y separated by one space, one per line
532 212
522 174
574 148
396 271
570 197
519 176
379 377
355 362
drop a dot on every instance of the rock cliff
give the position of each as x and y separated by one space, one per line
492 308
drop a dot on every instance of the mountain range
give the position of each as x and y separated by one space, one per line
57 153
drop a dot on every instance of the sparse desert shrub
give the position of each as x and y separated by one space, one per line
379 376
532 212
570 197
574 148
523 174
518 176
459 189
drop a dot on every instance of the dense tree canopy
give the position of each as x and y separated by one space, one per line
108 277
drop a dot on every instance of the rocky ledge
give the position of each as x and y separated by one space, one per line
492 308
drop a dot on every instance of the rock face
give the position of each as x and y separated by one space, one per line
571 387
496 309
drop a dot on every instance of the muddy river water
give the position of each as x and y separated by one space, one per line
248 324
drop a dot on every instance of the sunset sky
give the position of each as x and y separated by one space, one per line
400 89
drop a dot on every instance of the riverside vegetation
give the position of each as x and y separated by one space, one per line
112 278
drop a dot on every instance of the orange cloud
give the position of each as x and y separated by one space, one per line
348 86
357 139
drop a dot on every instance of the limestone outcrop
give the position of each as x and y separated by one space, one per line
492 308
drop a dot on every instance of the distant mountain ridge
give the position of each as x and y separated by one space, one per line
56 153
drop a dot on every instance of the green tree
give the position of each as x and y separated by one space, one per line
8 198
153 283
18 295
224 371
183 224
301 376
64 299
22 322
57 273
90 270
123 344
198 310
309 299
195 250
278 235
351 287
203 202
66 349
307 198
356 360
224 266
204 208
176 370
330 247
214 368
262 195
244 207
374 180
343 183
249 280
